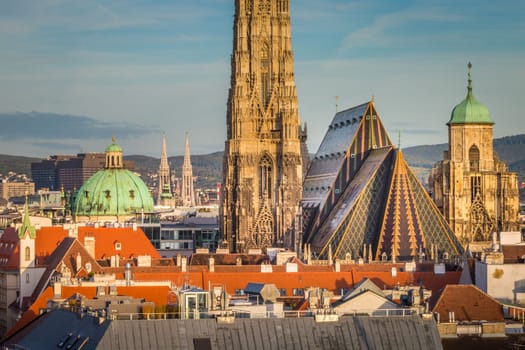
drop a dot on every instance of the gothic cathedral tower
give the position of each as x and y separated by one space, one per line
262 160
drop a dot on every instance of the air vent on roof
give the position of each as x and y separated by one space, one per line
352 155
374 117
367 117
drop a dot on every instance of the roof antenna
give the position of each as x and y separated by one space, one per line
336 104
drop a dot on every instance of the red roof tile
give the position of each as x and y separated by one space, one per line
468 303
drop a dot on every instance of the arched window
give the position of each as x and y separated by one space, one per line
473 157
28 254
265 73
265 177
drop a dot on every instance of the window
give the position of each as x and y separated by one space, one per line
265 74
473 156
475 187
265 177
28 254
27 277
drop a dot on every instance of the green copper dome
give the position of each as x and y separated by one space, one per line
470 110
114 192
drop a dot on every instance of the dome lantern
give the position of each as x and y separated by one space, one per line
114 156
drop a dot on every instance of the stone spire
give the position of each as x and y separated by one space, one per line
165 196
263 163
188 195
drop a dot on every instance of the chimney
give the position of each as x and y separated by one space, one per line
57 290
89 245
211 264
183 265
79 262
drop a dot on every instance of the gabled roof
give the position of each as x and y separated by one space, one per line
365 301
65 256
468 303
350 136
382 207
411 221
132 242
364 284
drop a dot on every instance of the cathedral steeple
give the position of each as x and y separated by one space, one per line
262 170
188 195
165 196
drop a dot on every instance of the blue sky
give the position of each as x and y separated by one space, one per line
74 73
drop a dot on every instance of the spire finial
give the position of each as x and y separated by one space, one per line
373 98
113 138
469 87
336 104
399 139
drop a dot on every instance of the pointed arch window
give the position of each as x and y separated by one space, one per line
265 177
473 156
27 254
265 73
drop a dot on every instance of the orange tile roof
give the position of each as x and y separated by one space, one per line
33 312
132 242
468 303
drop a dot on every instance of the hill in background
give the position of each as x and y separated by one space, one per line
208 168
510 149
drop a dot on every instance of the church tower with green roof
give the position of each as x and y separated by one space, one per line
471 186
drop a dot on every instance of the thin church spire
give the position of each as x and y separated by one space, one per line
188 195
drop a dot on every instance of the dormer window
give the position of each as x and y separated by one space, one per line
118 246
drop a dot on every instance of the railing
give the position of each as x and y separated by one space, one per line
195 314
513 312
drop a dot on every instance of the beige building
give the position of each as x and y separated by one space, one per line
262 160
16 189
471 186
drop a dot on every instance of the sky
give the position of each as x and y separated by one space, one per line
75 73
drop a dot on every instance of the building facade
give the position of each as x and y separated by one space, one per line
10 189
66 172
471 186
262 170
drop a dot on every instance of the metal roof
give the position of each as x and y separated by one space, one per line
410 332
